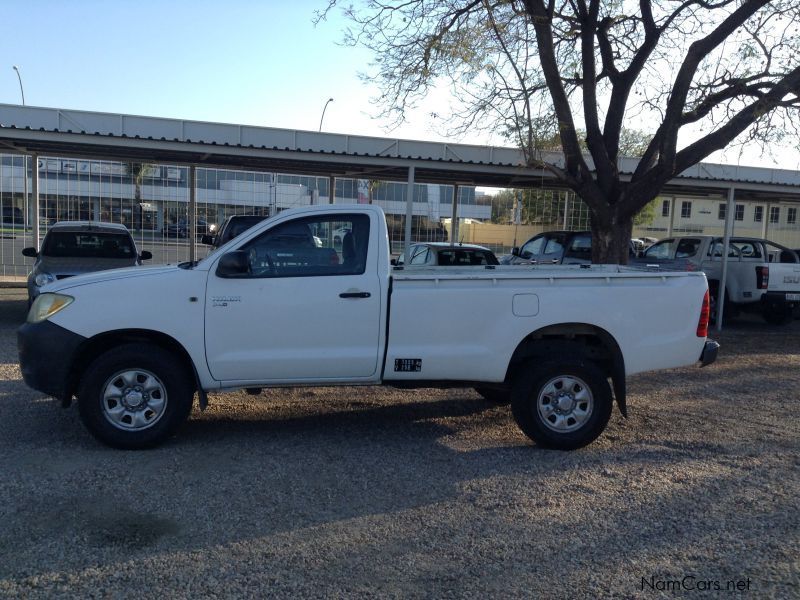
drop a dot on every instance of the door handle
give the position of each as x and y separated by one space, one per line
354 295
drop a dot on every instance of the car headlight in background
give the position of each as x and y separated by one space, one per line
212 227
46 305
43 279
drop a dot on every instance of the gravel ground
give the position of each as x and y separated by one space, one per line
354 492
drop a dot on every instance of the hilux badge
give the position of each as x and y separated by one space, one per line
224 300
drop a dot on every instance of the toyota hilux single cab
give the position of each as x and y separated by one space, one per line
284 304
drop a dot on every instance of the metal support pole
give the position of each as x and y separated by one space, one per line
192 218
454 218
725 246
566 211
25 187
331 189
672 204
35 194
409 212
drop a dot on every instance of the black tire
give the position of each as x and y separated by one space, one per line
535 378
777 316
729 310
495 395
174 390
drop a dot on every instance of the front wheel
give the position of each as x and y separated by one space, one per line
562 404
135 396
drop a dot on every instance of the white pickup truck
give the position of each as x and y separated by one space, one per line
285 304
762 276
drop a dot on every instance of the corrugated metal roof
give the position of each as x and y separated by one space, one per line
74 132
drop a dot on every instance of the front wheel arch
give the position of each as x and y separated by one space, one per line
95 346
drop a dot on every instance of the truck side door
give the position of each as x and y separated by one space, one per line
307 309
553 249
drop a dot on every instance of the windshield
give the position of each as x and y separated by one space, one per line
86 244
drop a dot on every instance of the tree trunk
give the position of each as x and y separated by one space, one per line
611 237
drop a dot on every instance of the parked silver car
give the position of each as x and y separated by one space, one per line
76 247
443 254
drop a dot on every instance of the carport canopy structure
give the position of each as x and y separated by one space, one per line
93 135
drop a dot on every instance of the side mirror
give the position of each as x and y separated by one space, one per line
206 239
640 254
393 262
30 252
525 254
234 264
145 255
515 251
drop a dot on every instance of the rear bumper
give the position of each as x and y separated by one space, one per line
777 301
709 353
46 353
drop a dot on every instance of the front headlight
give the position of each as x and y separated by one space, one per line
43 279
46 305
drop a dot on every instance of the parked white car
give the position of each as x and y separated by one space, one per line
270 308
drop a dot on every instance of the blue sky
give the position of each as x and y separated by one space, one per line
237 61
244 61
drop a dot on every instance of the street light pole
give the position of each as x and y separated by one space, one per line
21 91
324 108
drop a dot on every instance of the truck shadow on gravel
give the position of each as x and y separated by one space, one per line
266 479
226 479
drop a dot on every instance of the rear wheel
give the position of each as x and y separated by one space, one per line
135 396
729 311
777 316
564 404
495 395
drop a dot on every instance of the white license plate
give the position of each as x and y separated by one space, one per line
793 297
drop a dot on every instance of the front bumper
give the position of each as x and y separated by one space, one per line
46 354
709 353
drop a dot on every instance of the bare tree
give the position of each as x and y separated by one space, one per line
701 73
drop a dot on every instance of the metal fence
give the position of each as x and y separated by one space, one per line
152 201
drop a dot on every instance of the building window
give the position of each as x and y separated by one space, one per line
723 211
774 214
665 208
739 213
791 216
686 209
758 214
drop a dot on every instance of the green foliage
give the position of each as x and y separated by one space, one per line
645 216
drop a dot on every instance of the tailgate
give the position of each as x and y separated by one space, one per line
785 278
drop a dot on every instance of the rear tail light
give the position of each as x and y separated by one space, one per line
705 315
762 277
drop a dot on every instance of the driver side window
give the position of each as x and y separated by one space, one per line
311 246
533 247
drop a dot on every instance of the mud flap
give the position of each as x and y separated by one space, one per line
618 380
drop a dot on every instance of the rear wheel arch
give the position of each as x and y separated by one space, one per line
590 341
